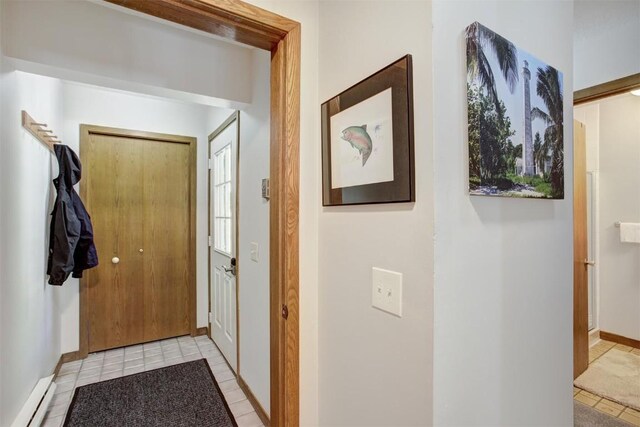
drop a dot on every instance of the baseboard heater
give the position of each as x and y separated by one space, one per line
35 408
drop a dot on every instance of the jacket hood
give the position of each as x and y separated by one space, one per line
69 166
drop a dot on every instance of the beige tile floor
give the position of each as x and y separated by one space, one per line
119 362
601 404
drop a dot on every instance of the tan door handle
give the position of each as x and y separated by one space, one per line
589 262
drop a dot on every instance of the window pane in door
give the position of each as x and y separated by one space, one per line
222 200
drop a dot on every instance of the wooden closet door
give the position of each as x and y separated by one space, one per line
166 204
113 176
139 191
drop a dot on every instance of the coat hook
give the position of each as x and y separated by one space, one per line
45 130
38 124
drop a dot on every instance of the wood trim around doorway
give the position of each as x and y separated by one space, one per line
241 22
614 87
85 132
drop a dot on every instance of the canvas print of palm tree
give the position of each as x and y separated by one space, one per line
515 116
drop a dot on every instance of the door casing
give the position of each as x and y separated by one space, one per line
244 23
85 133
580 252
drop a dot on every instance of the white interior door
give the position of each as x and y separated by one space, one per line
222 174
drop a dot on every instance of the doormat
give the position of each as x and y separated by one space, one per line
616 376
586 416
180 395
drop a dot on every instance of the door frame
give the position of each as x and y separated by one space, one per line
85 133
604 90
235 116
580 253
582 96
244 23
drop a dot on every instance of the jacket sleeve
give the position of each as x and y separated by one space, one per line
65 238
85 256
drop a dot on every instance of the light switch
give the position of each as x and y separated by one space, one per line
387 291
254 252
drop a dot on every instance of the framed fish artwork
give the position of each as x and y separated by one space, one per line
367 140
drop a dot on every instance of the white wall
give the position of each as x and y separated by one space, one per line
374 368
108 46
619 201
85 104
503 267
606 34
613 125
254 227
30 317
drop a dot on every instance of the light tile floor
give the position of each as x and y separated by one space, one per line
106 365
601 404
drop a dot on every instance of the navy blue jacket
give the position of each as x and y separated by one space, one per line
71 247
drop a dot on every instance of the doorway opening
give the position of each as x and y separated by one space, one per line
607 248
280 37
256 27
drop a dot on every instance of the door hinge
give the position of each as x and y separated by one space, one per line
209 163
210 241
210 317
285 312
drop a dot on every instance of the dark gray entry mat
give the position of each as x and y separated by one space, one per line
585 416
180 395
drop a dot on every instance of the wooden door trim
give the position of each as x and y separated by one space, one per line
85 132
235 116
248 24
580 292
614 87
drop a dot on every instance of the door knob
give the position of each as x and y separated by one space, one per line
115 260
589 262
231 269
140 250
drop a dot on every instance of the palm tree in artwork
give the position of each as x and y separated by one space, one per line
481 41
540 153
548 88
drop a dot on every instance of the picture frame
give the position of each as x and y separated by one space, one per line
368 140
515 116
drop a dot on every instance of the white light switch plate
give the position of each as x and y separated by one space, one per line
387 291
254 252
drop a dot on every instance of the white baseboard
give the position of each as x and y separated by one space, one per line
35 407
594 337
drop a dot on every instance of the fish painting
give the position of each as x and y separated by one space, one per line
359 139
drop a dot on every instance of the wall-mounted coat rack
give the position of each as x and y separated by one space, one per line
39 130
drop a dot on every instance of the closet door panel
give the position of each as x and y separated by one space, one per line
113 174
167 232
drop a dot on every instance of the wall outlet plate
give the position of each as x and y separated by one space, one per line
254 252
386 291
